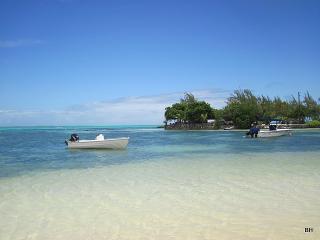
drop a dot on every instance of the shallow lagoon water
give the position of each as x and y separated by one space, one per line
166 185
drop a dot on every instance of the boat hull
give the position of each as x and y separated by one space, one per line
115 143
274 133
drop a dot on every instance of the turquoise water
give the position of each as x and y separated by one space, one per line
42 148
165 185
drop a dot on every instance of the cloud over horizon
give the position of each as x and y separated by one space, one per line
127 110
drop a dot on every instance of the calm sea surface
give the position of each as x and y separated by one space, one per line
165 185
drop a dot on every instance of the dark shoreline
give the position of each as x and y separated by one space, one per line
209 126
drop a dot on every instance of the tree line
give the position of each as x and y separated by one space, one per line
243 108
189 110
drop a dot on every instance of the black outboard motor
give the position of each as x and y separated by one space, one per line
74 137
253 132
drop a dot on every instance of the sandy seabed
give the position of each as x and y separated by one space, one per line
226 196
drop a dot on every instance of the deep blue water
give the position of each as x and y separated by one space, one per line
42 148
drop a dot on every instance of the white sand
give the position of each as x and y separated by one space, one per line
236 197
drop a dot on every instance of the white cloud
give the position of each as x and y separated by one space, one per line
19 43
128 110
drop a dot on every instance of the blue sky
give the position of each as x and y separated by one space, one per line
72 61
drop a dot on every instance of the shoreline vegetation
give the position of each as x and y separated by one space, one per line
243 108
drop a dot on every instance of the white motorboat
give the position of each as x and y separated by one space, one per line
99 143
274 133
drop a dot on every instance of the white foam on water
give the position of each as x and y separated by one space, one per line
244 196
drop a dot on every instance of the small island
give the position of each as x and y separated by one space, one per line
242 109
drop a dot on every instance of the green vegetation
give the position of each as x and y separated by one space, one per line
189 110
244 108
314 124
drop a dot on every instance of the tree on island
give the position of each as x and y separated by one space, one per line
189 110
312 108
243 108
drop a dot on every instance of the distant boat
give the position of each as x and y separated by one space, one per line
99 143
229 128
